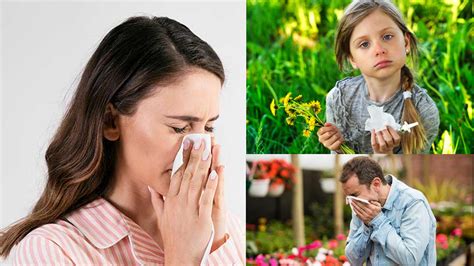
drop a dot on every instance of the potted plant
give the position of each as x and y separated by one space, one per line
259 179
282 176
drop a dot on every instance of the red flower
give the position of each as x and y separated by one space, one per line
457 232
444 245
343 258
441 238
330 260
333 244
341 237
285 173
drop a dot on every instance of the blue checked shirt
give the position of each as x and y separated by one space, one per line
403 233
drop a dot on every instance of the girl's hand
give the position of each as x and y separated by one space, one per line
184 216
385 140
218 208
330 136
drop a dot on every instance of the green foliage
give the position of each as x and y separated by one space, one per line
290 49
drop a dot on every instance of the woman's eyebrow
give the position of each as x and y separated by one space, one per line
358 38
365 36
190 118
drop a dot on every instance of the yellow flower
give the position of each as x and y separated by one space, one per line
306 133
297 98
290 120
273 107
290 110
316 106
286 99
312 123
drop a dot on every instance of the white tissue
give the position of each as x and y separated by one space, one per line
349 200
195 138
379 119
178 162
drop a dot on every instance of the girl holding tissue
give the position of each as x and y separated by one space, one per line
367 112
112 196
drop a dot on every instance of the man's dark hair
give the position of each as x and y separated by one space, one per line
365 170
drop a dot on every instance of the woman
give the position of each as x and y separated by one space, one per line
150 82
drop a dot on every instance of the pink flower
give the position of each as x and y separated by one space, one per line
289 262
341 237
333 244
273 262
301 250
457 232
260 260
316 244
441 238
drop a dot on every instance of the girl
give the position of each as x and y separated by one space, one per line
373 38
150 82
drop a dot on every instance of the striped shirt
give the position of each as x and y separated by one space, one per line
99 234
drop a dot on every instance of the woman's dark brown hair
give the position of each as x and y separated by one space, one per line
130 61
358 10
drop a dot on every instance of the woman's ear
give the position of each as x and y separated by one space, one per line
111 126
354 65
407 43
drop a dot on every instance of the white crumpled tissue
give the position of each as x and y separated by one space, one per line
349 200
178 162
379 120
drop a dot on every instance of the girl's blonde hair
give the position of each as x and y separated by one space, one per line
353 15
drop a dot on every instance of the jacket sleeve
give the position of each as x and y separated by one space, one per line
407 246
358 242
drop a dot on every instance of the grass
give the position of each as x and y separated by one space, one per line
290 49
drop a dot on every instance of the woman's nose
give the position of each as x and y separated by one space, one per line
200 130
379 48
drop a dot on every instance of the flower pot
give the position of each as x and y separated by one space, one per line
275 190
259 187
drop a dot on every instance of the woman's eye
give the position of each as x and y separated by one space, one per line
364 44
209 129
387 37
179 130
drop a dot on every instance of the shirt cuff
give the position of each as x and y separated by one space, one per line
367 230
377 221
226 254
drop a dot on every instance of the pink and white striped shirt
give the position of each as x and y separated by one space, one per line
99 234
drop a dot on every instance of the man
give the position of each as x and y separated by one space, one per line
396 227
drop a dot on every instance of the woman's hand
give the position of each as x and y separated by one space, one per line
385 140
330 137
184 216
218 208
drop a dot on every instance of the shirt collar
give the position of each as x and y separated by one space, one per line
100 222
104 226
394 191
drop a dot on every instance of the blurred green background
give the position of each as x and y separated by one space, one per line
290 49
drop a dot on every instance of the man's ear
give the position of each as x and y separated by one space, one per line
377 183
111 125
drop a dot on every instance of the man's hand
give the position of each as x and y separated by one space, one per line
366 212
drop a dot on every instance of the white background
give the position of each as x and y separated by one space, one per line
44 47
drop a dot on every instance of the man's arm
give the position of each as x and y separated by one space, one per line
358 242
406 248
